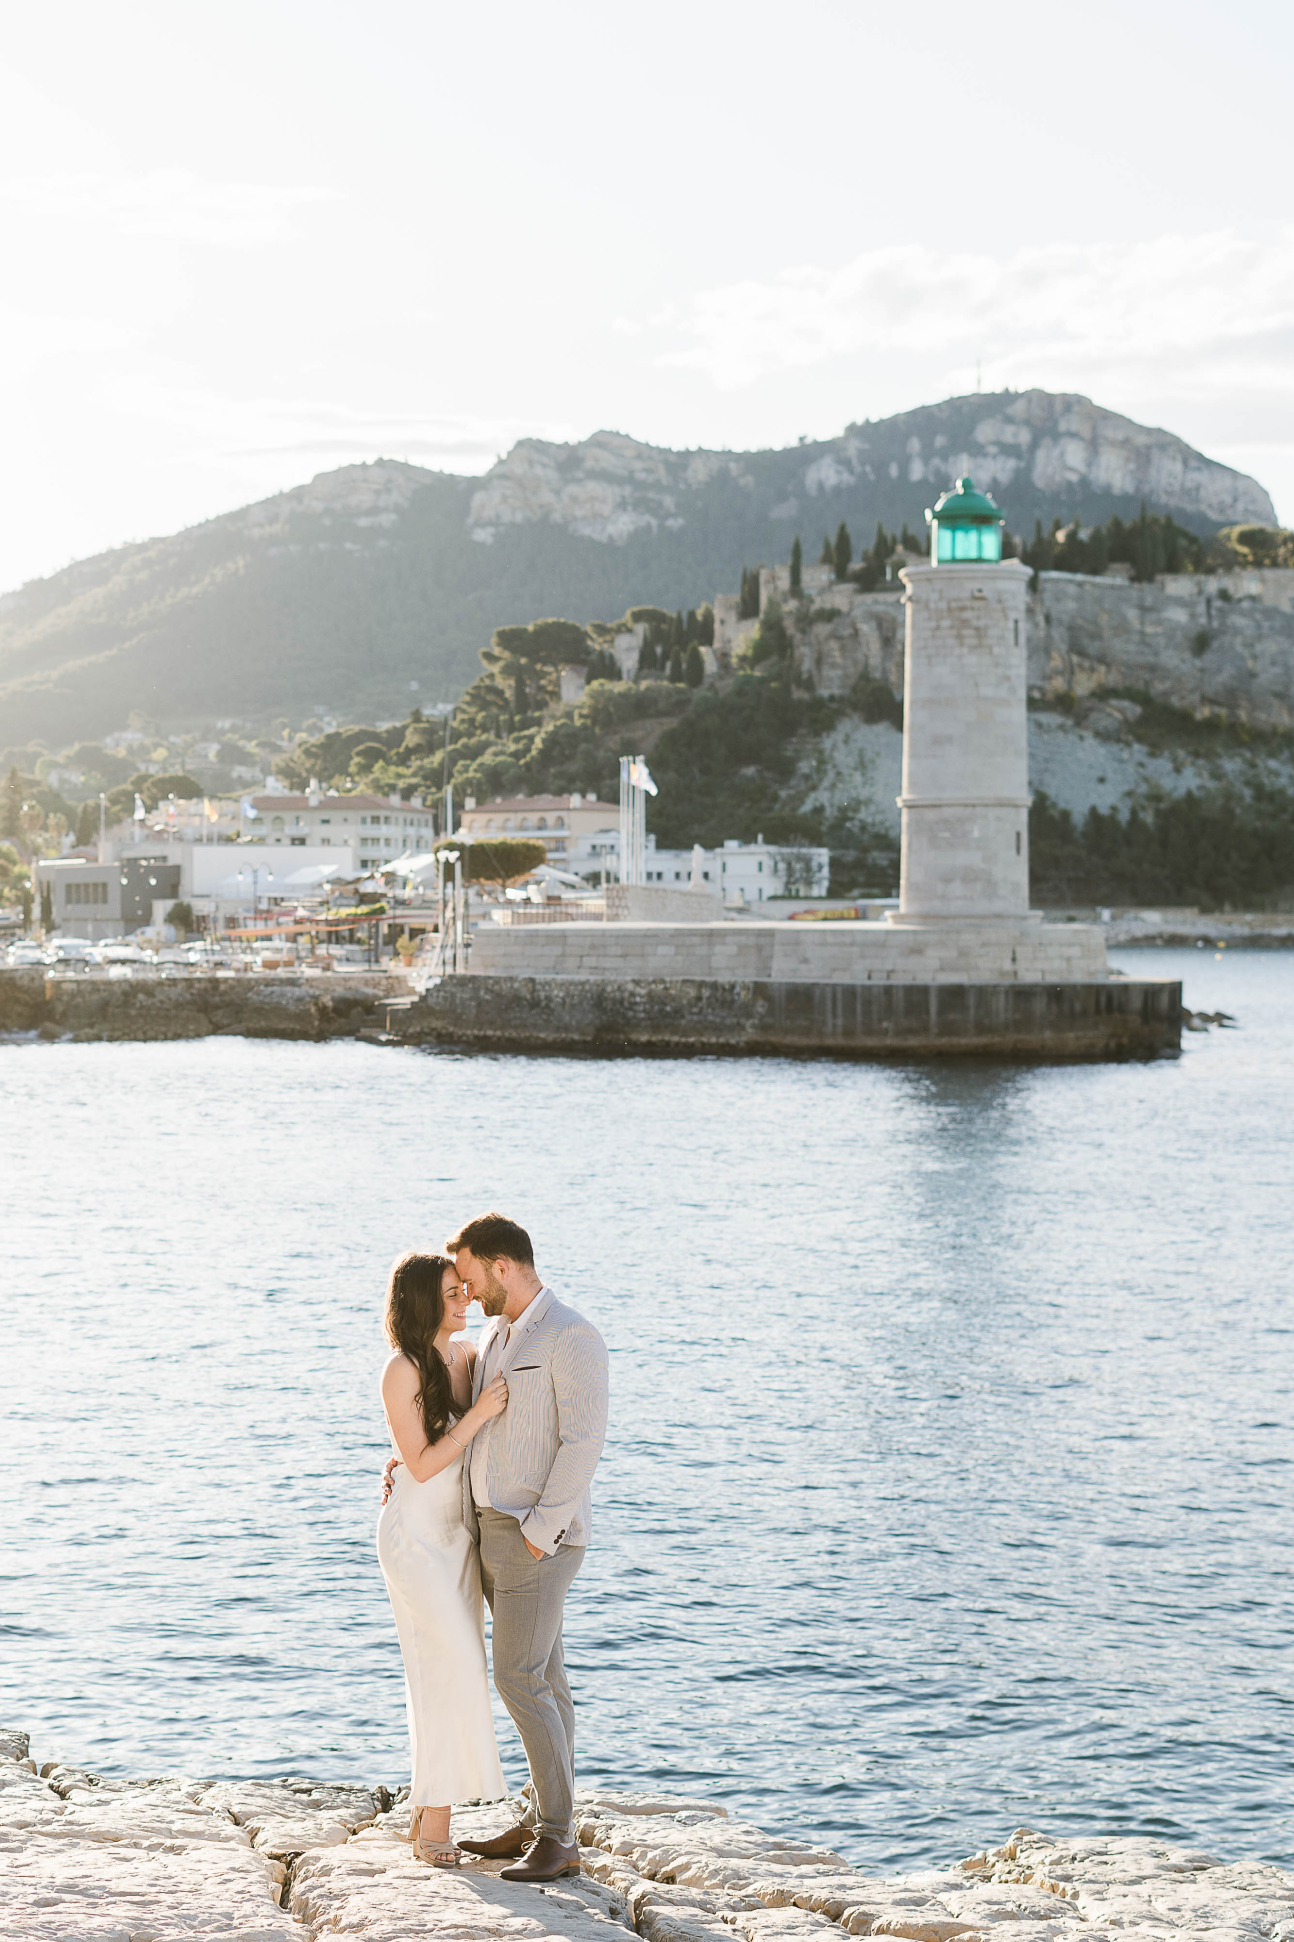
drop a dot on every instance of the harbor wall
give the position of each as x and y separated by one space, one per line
276 1005
1113 1019
1099 1019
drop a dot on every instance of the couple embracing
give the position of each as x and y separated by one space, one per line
488 1493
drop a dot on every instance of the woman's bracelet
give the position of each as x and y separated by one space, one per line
454 1439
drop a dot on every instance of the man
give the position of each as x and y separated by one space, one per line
526 1492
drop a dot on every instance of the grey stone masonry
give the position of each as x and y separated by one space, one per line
836 953
1116 1018
965 799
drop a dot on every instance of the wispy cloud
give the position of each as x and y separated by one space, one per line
167 204
1217 309
219 429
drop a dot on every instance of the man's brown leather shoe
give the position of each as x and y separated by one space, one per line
503 1846
545 1861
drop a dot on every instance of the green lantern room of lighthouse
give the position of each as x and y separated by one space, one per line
965 525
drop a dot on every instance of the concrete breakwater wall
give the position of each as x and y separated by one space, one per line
86 1856
271 1006
1121 1018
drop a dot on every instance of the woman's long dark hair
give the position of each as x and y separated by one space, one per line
415 1309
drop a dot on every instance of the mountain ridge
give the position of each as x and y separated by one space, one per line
376 584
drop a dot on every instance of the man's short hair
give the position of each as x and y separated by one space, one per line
493 1237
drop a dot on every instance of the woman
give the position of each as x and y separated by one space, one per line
428 1559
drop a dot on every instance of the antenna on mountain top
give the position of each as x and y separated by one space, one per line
977 374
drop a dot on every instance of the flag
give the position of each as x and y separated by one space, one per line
139 811
211 810
250 812
640 776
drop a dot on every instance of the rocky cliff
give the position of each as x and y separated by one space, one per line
376 585
1210 643
1038 452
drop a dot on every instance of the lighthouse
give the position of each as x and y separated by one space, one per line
964 875
965 800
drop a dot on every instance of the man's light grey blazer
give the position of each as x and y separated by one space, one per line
545 1446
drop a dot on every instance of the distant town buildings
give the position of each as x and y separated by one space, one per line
579 832
745 873
379 828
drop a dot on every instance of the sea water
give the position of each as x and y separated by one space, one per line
948 1480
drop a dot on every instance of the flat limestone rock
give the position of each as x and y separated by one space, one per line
375 1890
699 1852
84 1858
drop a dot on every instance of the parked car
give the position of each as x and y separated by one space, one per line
25 952
120 953
70 954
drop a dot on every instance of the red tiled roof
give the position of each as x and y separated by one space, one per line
278 804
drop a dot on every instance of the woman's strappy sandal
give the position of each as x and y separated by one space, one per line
436 1854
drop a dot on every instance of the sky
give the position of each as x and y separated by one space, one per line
246 243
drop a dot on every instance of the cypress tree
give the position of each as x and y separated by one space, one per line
46 908
11 806
647 662
797 563
843 551
87 824
693 626
676 663
694 671
678 632
519 702
827 557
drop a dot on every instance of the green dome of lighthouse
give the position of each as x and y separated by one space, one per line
965 525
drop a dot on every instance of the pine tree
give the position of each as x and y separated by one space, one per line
797 564
694 669
843 551
827 557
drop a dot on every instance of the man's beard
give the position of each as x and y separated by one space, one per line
495 1298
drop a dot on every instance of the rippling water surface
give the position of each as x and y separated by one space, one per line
948 1484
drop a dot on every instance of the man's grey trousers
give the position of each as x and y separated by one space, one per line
527 1596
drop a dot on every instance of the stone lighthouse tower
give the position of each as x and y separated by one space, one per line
965 798
965 801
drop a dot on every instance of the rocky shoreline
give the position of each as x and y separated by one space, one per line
88 1858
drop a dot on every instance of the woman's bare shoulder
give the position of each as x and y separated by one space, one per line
398 1374
468 1348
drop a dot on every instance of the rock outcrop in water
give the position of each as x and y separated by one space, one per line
103 1860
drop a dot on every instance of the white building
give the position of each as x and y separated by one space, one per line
749 873
379 828
578 832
